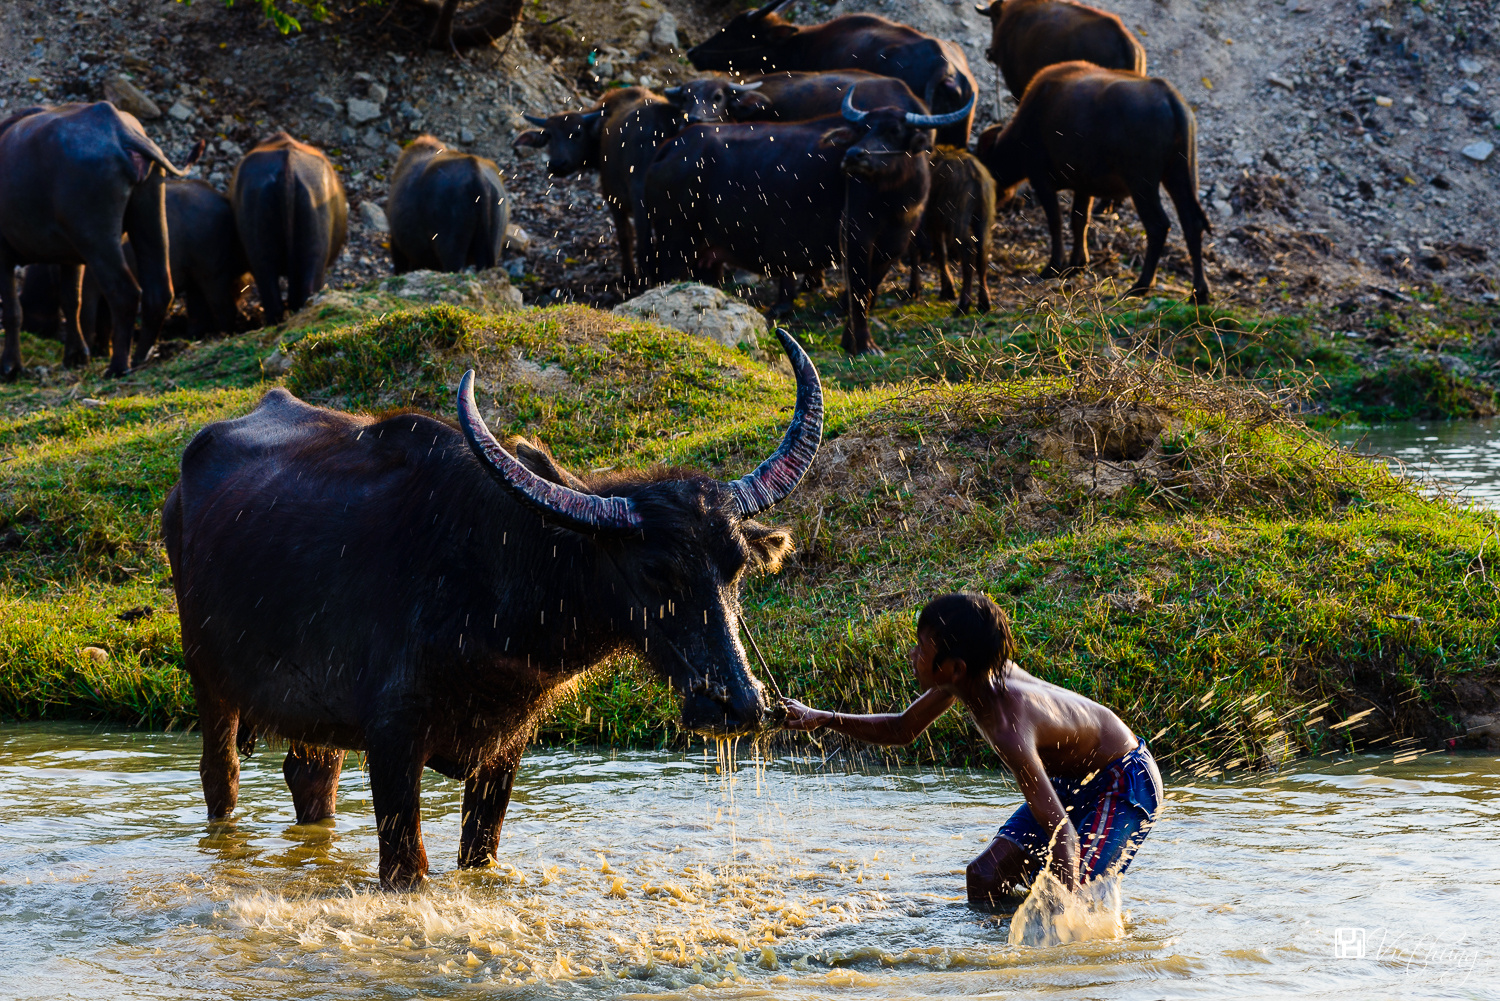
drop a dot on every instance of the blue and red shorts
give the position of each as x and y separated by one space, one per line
1113 811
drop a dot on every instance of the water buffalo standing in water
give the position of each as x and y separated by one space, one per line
789 198
789 97
1103 134
421 593
761 41
293 219
619 139
74 180
1029 35
448 210
958 220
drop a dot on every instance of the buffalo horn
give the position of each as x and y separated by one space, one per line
673 91
582 512
780 474
938 121
851 113
534 119
740 88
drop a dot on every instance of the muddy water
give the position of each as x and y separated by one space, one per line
1460 456
652 875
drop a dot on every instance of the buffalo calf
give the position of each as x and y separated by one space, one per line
293 219
958 219
448 210
1029 35
1103 134
208 262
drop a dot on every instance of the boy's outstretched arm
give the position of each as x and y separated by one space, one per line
890 729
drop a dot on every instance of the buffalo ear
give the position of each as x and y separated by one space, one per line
536 457
921 142
841 136
531 139
749 106
769 545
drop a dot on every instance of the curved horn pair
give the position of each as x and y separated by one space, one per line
586 512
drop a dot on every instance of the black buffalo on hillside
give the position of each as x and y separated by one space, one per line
74 181
790 198
957 222
1029 35
619 139
293 219
448 210
1103 134
421 593
761 41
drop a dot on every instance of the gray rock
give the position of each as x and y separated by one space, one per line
1223 208
393 150
664 32
180 111
515 268
372 217
276 363
129 98
699 310
361 111
231 148
465 134
1470 67
327 105
1282 82
377 92
372 139
517 239
1478 151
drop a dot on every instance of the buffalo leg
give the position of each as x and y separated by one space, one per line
118 287
486 795
10 311
1082 207
146 222
945 276
980 254
219 766
966 279
914 276
625 232
312 773
863 272
396 787
69 288
1154 220
1194 222
400 264
1047 196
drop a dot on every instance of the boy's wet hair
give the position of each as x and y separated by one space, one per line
971 627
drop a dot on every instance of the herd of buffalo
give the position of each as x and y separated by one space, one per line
838 144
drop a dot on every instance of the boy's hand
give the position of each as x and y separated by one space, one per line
801 717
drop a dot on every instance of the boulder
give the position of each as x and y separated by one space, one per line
664 32
362 112
129 98
700 310
372 217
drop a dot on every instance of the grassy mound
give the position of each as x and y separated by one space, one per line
1171 544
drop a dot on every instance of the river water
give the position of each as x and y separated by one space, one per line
656 875
1460 456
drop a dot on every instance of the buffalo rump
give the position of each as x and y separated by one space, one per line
1103 134
424 594
1028 35
293 219
448 210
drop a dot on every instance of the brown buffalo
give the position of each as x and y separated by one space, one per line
958 220
1028 35
1103 134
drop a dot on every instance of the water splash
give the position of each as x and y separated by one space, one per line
1052 915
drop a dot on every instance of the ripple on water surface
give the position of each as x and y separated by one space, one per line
650 875
1461 456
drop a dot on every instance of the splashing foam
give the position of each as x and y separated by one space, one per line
1051 915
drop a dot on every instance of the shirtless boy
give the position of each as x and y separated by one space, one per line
1092 788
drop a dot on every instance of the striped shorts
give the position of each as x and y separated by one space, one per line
1113 812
